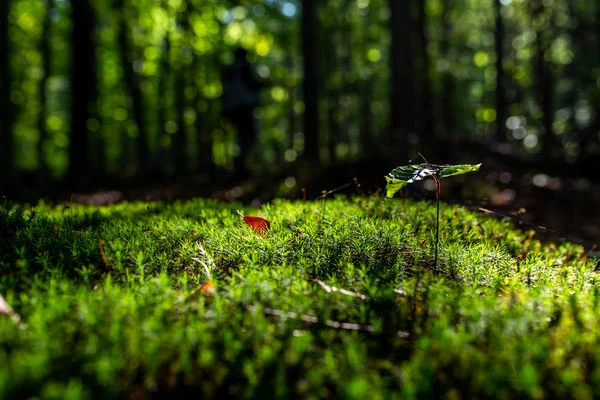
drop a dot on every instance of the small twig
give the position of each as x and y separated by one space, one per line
310 319
330 289
437 219
207 257
357 186
589 253
104 259
324 193
424 159
6 309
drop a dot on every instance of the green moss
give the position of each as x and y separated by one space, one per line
338 299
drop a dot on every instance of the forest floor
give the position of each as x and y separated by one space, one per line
338 298
557 208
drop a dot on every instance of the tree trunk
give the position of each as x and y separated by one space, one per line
179 139
132 86
83 88
402 90
310 84
591 136
163 85
43 114
447 104
500 75
366 94
545 89
330 91
426 124
203 133
332 126
7 170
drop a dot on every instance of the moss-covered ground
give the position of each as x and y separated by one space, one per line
340 298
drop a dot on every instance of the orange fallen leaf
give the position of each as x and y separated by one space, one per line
208 289
258 224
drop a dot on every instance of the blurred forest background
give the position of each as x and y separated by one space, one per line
94 92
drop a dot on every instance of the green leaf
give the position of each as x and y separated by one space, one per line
412 173
393 185
402 176
451 170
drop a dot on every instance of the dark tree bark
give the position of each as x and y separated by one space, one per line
45 51
163 85
203 130
447 103
591 134
402 90
132 86
7 170
426 123
331 91
291 113
501 106
544 86
366 94
83 88
179 139
310 84
589 50
332 126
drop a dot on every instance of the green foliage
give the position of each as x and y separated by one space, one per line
194 39
335 299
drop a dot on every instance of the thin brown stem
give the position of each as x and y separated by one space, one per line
437 220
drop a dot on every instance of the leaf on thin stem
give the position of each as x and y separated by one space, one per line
403 175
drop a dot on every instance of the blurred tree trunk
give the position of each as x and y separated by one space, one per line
84 92
179 138
447 105
203 128
7 170
291 106
426 123
43 114
366 94
331 88
588 45
402 90
500 75
332 125
310 84
591 133
164 138
544 82
132 86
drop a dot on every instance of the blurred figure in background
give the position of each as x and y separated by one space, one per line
241 91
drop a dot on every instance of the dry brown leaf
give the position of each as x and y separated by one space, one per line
208 289
258 224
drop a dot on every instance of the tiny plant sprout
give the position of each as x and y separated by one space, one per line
402 176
